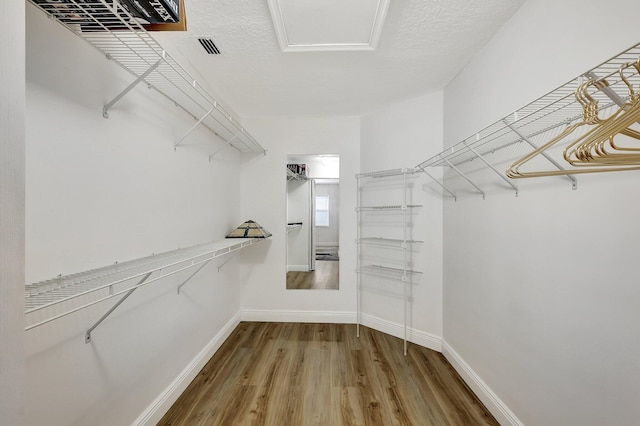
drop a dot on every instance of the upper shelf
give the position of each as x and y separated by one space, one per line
108 27
478 162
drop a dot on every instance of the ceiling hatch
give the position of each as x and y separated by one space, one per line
328 25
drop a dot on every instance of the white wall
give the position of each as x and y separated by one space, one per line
12 212
263 200
402 135
540 291
100 191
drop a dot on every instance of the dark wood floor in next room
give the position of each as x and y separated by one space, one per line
322 374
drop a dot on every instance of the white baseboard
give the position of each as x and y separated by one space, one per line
297 268
494 404
298 316
158 408
418 337
414 336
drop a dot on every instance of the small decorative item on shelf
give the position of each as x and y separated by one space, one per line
249 229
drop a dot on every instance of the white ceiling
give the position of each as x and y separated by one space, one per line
423 45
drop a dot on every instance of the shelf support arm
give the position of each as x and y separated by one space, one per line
87 335
226 145
192 128
611 94
105 109
511 184
574 181
463 175
228 259
441 185
194 273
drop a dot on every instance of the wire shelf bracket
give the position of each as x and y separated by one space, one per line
463 176
453 195
107 107
511 184
574 181
87 335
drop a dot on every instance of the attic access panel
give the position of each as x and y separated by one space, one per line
330 25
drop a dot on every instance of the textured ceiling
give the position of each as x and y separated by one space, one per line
424 44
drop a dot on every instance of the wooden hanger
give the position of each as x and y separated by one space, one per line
600 148
589 117
590 149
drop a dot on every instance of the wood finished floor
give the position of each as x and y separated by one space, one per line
322 374
326 276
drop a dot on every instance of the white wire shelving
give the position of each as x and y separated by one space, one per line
399 274
478 163
387 242
108 26
50 300
291 175
386 184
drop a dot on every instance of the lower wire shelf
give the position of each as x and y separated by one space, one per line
49 300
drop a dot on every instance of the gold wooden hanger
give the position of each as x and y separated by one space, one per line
580 152
589 117
600 147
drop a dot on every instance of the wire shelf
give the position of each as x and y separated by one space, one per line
388 173
395 207
499 144
108 26
388 272
48 300
388 242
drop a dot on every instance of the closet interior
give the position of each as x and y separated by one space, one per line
588 125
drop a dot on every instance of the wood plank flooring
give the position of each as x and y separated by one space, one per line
326 276
322 374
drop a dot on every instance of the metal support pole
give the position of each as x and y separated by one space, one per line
441 185
463 175
405 259
511 184
105 109
192 275
574 181
87 335
358 254
192 128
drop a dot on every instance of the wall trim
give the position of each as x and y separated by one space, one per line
418 337
159 407
267 315
494 404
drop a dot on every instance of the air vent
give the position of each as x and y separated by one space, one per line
209 46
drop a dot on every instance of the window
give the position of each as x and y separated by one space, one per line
322 210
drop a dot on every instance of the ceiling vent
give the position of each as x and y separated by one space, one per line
208 45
